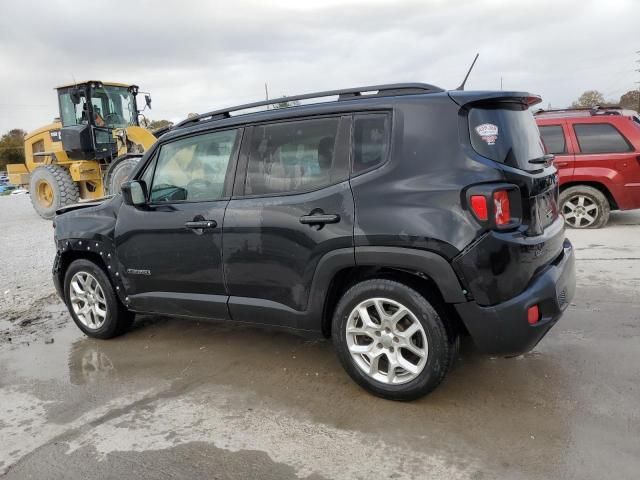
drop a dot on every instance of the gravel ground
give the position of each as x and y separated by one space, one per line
180 399
26 254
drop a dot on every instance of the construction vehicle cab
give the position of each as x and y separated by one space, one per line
88 151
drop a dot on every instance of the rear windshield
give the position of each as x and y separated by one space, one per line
506 133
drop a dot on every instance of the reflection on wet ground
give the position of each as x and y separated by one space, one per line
171 383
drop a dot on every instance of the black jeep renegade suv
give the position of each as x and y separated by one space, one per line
393 219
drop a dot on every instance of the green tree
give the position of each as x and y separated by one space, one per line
590 98
631 100
157 124
12 148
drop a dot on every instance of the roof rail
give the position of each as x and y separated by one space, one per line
388 90
582 111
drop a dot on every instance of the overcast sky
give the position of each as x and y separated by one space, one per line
195 56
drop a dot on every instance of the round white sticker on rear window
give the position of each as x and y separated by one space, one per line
488 132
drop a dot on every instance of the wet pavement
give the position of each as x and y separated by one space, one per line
185 399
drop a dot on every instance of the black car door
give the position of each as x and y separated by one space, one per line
171 248
292 204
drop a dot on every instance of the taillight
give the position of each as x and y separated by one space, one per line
495 205
501 207
533 315
479 207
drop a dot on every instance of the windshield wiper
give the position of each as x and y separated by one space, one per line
543 160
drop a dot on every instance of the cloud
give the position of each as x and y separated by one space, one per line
202 55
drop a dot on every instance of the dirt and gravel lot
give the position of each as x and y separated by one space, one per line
180 399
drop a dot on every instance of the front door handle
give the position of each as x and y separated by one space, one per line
561 164
319 219
201 224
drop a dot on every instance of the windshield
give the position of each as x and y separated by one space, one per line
113 107
506 133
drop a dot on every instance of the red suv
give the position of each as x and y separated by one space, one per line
597 154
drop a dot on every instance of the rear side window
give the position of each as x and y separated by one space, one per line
553 138
600 138
506 133
370 141
293 157
193 169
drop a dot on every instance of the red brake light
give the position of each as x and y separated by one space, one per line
501 207
533 315
479 207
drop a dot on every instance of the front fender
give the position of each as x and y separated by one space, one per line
88 233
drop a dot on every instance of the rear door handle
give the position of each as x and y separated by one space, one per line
201 224
319 219
561 164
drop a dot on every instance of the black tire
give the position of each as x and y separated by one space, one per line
593 199
442 345
118 318
64 190
119 172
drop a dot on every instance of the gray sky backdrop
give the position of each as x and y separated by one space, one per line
196 56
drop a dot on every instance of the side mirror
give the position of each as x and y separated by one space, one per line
147 99
134 193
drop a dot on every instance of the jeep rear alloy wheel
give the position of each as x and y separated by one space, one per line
391 340
386 341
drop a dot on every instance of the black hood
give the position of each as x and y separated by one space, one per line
78 206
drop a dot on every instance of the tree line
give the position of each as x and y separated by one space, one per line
12 148
593 98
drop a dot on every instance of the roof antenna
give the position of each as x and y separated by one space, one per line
461 87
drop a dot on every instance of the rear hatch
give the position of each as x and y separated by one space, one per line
504 260
504 130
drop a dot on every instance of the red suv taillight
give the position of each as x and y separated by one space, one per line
501 207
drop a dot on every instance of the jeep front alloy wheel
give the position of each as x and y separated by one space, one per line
391 340
92 301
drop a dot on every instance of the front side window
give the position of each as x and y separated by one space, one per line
553 138
600 138
370 141
194 168
292 157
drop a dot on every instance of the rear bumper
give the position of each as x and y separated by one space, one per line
503 328
627 196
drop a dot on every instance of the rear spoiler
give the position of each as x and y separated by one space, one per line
463 98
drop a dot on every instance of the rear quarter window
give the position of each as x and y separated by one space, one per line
506 133
371 134
553 138
600 138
